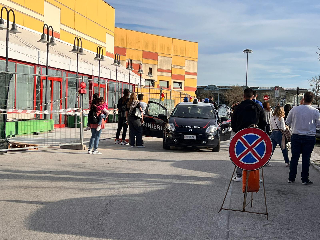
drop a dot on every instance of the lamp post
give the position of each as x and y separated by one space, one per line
247 51
116 63
13 30
130 68
140 71
45 38
99 57
150 76
77 48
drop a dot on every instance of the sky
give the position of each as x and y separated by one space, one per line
283 35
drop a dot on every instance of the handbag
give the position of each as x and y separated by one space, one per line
137 113
286 133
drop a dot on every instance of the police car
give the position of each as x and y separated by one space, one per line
191 124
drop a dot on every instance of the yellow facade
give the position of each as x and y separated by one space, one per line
93 21
176 56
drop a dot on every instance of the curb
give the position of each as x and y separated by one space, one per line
315 160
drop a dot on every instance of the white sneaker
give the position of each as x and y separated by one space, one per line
117 142
124 143
97 152
89 151
237 179
99 128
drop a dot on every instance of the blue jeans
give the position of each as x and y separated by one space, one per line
301 144
276 138
101 117
94 140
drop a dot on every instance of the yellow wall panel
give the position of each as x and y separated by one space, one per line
83 6
190 82
92 9
33 23
19 18
120 37
81 25
150 42
165 78
192 50
134 54
179 47
178 71
149 61
35 5
67 17
111 18
67 37
69 3
179 61
21 2
165 45
134 40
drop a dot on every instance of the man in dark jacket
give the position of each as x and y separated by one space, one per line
246 114
122 122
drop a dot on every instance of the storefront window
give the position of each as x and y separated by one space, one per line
72 91
25 86
4 84
111 94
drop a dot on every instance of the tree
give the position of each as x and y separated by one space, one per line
315 84
234 95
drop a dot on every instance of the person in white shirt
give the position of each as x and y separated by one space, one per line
278 125
303 121
142 104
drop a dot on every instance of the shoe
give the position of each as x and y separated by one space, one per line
96 152
287 164
141 146
260 180
308 182
124 143
117 142
290 181
99 128
132 146
237 179
89 151
87 128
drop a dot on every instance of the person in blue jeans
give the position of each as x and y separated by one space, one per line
303 121
95 138
277 125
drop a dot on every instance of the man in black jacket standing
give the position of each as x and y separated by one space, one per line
122 122
246 114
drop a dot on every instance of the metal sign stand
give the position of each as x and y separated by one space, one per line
245 196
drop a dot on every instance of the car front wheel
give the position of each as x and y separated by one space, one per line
165 145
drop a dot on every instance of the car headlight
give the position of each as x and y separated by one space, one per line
212 129
170 127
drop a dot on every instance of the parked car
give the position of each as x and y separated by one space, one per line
191 124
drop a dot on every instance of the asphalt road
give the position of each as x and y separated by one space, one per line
149 193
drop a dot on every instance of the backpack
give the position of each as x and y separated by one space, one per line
92 117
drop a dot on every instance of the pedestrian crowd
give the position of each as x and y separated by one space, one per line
295 126
130 114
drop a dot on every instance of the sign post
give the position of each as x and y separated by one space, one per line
250 149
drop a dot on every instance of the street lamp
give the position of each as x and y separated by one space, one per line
247 51
130 68
116 63
45 38
13 30
140 71
77 48
99 57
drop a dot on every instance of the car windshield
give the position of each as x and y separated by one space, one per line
193 111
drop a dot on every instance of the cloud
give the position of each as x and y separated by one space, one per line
284 36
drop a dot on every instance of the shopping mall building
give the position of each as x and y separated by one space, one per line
169 65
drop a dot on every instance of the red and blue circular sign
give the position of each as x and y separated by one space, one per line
250 149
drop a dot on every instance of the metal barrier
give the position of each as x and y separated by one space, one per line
29 120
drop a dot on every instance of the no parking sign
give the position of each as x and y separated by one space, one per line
250 149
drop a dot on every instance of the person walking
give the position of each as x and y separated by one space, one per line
278 126
268 114
303 121
95 133
135 120
246 114
122 122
